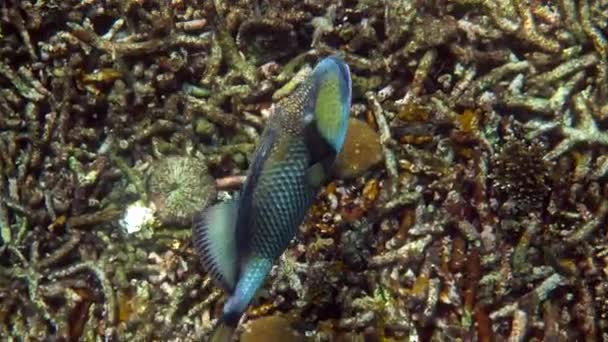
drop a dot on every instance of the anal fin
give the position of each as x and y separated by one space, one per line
214 239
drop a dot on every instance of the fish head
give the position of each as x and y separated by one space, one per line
330 101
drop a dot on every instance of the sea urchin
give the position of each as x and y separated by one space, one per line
179 187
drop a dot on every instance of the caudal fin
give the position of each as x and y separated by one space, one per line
214 240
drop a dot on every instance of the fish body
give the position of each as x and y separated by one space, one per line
239 241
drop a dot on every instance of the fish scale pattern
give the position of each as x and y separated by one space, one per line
283 197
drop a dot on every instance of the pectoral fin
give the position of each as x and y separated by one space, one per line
316 174
214 238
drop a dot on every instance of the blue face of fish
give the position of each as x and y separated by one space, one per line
239 241
331 100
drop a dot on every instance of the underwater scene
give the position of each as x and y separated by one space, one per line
312 170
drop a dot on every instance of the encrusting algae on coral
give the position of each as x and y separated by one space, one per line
361 152
270 328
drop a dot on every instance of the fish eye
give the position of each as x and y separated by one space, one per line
308 117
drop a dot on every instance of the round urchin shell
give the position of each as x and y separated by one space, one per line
179 187
520 175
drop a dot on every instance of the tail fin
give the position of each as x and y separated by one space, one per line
333 92
214 238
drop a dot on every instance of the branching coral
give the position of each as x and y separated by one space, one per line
583 130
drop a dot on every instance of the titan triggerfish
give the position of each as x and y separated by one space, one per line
238 241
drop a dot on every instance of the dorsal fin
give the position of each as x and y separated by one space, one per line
214 239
